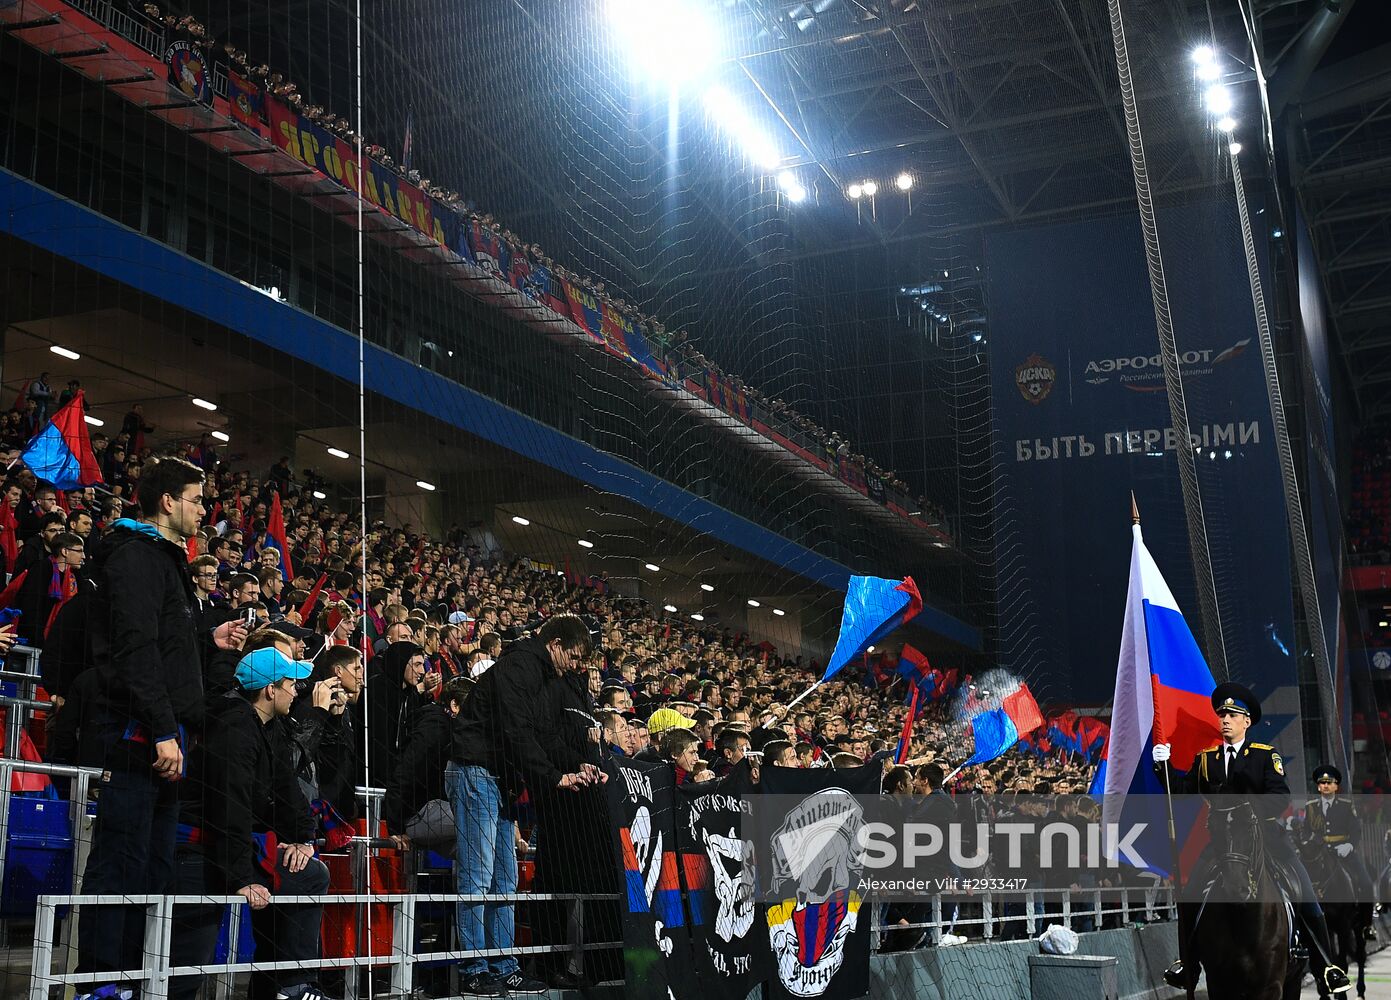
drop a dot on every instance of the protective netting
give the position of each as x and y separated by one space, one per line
672 316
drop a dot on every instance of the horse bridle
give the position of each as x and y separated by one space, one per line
1253 863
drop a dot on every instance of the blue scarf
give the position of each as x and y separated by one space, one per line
143 527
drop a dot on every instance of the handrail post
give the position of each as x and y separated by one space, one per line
937 917
1029 912
574 962
41 972
155 958
403 946
987 916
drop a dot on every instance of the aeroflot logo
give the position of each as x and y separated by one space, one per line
1144 368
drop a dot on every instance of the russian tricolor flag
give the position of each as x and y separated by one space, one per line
1163 695
874 607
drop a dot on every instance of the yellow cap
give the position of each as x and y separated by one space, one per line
667 718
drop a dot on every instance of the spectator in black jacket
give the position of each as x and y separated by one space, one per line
48 585
418 777
37 546
337 755
394 695
246 827
497 752
145 656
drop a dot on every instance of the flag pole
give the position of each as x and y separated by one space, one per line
1176 872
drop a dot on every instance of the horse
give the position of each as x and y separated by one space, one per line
1240 924
1347 922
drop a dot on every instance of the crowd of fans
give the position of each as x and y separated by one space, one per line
675 347
234 707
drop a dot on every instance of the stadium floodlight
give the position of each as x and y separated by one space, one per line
1234 148
1218 99
94 421
904 181
779 612
669 40
671 608
708 588
1226 124
427 487
1210 71
731 118
754 604
869 188
518 519
64 352
854 191
204 404
1204 55
792 187
221 436
585 543
653 567
338 453
697 617
320 495
869 649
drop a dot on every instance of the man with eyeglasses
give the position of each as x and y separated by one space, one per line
147 708
497 752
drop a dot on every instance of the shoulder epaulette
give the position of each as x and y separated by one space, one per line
1311 803
1261 746
1215 747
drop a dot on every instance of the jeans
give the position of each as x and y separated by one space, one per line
487 863
132 854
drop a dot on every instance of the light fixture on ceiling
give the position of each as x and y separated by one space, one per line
338 453
869 188
697 617
427 487
708 588
204 404
94 421
754 604
653 567
320 495
221 436
779 612
904 181
63 352
585 543
518 519
669 607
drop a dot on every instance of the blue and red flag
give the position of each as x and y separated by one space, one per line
999 729
914 668
277 539
874 607
1163 695
877 673
62 452
901 754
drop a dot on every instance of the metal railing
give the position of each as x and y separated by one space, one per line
156 970
133 29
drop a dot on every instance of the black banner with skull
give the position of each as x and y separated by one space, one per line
656 945
817 919
728 948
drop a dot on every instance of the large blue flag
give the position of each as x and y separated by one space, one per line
62 454
874 607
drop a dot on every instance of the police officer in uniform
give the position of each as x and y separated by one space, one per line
1334 822
1239 767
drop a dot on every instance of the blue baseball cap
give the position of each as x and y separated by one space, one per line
267 666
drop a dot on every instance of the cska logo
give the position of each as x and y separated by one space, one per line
1035 378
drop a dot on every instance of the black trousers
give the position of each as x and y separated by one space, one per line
281 933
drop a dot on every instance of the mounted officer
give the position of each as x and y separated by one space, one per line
1237 767
1332 820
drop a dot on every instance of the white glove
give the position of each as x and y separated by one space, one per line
1161 752
1343 850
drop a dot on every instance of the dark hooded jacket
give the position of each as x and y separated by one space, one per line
143 644
390 709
